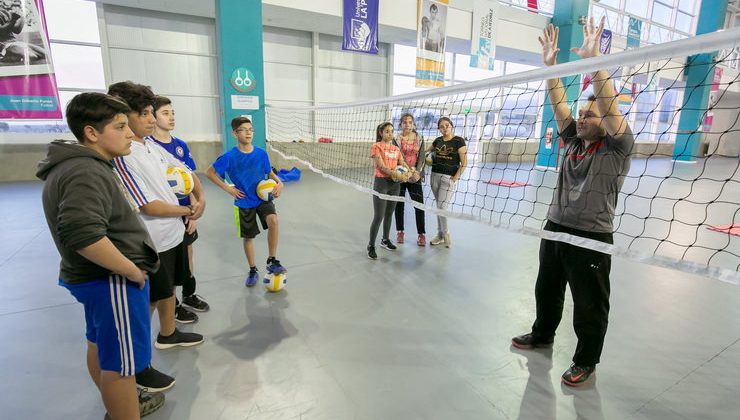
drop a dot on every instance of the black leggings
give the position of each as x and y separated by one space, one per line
382 209
587 273
417 194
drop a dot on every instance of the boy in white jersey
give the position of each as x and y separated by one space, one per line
165 123
143 173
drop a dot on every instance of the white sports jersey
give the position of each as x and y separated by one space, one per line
144 173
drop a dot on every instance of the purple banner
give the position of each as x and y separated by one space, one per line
28 88
360 26
605 45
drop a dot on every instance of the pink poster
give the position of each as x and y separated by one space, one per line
28 88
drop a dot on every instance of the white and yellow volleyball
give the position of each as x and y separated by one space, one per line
180 180
275 282
264 189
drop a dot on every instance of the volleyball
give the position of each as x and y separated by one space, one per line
264 189
275 282
180 180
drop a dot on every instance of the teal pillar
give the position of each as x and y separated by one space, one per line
699 72
241 68
570 36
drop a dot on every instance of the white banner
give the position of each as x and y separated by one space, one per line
482 43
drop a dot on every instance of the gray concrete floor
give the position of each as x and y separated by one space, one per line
421 333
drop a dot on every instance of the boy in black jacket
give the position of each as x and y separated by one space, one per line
106 251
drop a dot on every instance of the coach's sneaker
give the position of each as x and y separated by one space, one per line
448 240
195 303
252 278
274 266
439 239
399 237
183 316
178 338
371 252
577 375
529 341
422 240
387 244
152 380
149 402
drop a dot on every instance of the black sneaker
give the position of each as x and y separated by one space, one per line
178 338
184 316
387 244
577 375
195 303
152 380
529 341
371 252
149 402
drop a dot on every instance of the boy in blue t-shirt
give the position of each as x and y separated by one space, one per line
165 123
246 166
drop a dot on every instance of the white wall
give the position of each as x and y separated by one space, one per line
176 55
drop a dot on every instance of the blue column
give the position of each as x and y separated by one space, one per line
699 73
571 35
241 68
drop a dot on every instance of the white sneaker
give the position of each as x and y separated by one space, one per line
448 240
437 240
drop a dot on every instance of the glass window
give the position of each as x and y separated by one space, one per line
667 116
612 3
78 66
404 59
662 14
644 109
463 71
638 8
63 19
683 22
688 5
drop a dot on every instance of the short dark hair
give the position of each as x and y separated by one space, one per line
135 95
379 130
93 109
159 102
433 7
591 97
238 121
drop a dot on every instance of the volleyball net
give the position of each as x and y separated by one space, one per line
679 206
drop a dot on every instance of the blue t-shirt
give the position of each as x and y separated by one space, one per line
179 149
245 170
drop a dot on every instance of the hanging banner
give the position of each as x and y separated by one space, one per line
605 45
532 6
431 28
634 32
482 44
360 26
27 85
713 98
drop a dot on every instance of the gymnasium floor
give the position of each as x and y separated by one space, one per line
418 334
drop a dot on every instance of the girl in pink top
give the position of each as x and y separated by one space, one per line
387 158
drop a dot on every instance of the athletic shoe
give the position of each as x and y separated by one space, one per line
178 338
529 341
274 266
399 237
422 241
371 252
252 278
196 303
183 316
387 244
439 239
448 240
149 402
577 375
152 380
